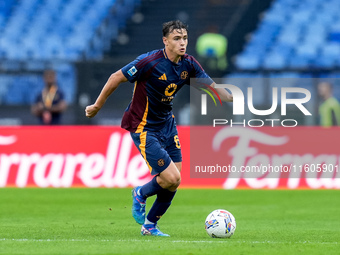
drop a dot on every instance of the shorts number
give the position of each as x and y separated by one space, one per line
176 139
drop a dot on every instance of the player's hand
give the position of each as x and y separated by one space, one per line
91 110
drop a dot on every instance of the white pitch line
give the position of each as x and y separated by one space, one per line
173 241
46 240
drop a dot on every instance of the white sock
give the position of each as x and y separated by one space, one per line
147 221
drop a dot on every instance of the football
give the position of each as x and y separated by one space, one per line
220 224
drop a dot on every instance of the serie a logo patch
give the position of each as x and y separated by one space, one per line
132 71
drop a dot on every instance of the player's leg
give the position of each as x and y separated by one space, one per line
157 160
158 156
169 179
139 196
141 193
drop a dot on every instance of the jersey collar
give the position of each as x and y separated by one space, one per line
166 57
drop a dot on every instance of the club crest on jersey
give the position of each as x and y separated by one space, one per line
184 75
160 162
132 71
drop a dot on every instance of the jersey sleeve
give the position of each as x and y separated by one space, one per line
134 70
198 72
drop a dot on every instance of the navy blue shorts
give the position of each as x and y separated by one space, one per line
159 147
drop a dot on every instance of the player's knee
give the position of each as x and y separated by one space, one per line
174 181
178 182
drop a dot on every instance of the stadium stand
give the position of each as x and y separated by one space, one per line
60 29
295 34
22 88
38 34
294 41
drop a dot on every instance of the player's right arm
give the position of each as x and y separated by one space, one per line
110 86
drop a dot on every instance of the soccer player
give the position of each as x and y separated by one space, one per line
158 76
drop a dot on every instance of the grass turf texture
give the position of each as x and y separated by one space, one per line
79 221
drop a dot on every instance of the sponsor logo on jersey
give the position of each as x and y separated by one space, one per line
170 89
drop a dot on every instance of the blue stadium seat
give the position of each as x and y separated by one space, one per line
331 50
274 61
291 38
299 62
36 32
248 62
256 49
308 51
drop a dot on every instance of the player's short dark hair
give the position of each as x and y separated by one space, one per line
170 26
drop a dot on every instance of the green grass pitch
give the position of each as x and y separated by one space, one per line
98 221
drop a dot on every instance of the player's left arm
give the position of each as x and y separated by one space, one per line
110 86
200 73
223 93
